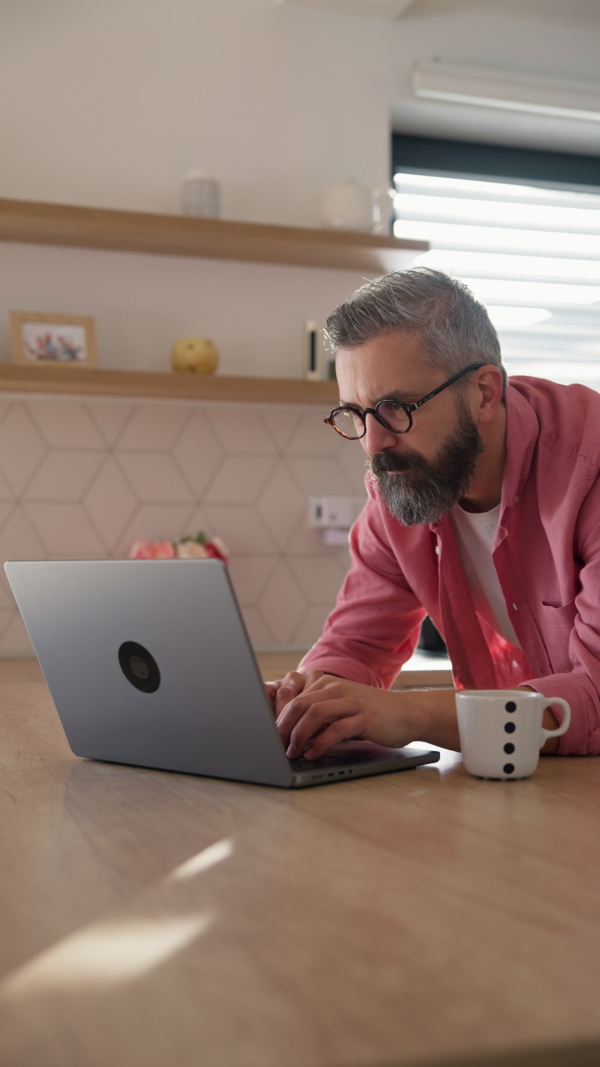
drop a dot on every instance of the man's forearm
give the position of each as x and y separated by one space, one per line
433 715
433 712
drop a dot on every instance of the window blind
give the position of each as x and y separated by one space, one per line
530 252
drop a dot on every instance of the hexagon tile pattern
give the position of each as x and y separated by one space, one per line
85 478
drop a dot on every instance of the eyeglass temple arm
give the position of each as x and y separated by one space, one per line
417 404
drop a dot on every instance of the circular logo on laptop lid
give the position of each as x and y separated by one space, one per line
139 666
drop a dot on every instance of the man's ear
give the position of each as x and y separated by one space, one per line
487 388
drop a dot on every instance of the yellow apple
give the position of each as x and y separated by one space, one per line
194 355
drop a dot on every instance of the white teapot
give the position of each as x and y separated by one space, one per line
350 206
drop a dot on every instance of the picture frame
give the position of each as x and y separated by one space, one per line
42 339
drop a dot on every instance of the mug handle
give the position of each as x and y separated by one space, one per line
564 726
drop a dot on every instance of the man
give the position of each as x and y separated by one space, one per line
483 512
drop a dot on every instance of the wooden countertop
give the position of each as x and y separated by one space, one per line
421 918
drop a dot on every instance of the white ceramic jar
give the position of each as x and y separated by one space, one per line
201 195
347 206
350 206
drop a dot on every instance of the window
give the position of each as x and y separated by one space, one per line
530 250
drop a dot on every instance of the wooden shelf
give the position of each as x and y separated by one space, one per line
178 235
93 382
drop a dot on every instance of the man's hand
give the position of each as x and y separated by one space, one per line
325 710
285 689
315 711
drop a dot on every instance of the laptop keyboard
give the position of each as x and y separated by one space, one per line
332 759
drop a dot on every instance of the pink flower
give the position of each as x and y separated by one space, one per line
188 548
144 549
162 550
140 550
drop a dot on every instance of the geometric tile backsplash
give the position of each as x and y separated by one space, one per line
84 478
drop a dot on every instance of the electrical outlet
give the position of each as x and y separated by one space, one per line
333 512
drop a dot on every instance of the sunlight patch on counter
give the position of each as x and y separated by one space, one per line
203 861
106 953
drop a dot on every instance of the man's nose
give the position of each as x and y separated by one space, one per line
377 438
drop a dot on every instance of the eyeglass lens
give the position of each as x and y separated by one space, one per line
351 423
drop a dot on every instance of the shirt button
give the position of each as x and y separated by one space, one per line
437 550
515 608
515 664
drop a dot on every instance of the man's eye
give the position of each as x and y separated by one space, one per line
394 415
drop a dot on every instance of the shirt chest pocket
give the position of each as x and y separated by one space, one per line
557 623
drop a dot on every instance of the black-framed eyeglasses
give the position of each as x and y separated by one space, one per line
394 415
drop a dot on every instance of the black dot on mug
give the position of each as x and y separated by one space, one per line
508 768
509 727
509 748
511 706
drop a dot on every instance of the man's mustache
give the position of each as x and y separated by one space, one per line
382 462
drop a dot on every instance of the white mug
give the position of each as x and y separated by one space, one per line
501 730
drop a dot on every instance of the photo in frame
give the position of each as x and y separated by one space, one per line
52 340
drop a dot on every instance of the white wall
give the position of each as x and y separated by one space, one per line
111 101
141 304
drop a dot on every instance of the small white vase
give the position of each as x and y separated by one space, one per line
200 195
350 206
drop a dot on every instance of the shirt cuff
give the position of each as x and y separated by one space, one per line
352 670
583 736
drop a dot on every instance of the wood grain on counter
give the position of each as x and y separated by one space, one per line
419 918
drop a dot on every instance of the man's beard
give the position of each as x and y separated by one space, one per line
432 487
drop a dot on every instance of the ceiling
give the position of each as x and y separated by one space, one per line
548 10
456 121
424 118
462 122
389 9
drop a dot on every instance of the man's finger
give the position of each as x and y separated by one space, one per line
290 686
340 730
302 704
272 689
294 683
292 713
316 720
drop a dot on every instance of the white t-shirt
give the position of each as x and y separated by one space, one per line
475 533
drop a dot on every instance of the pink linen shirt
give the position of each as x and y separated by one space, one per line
546 554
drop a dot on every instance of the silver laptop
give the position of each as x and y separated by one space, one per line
149 663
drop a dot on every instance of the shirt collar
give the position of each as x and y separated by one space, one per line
522 432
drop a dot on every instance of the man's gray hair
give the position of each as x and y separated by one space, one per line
453 327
